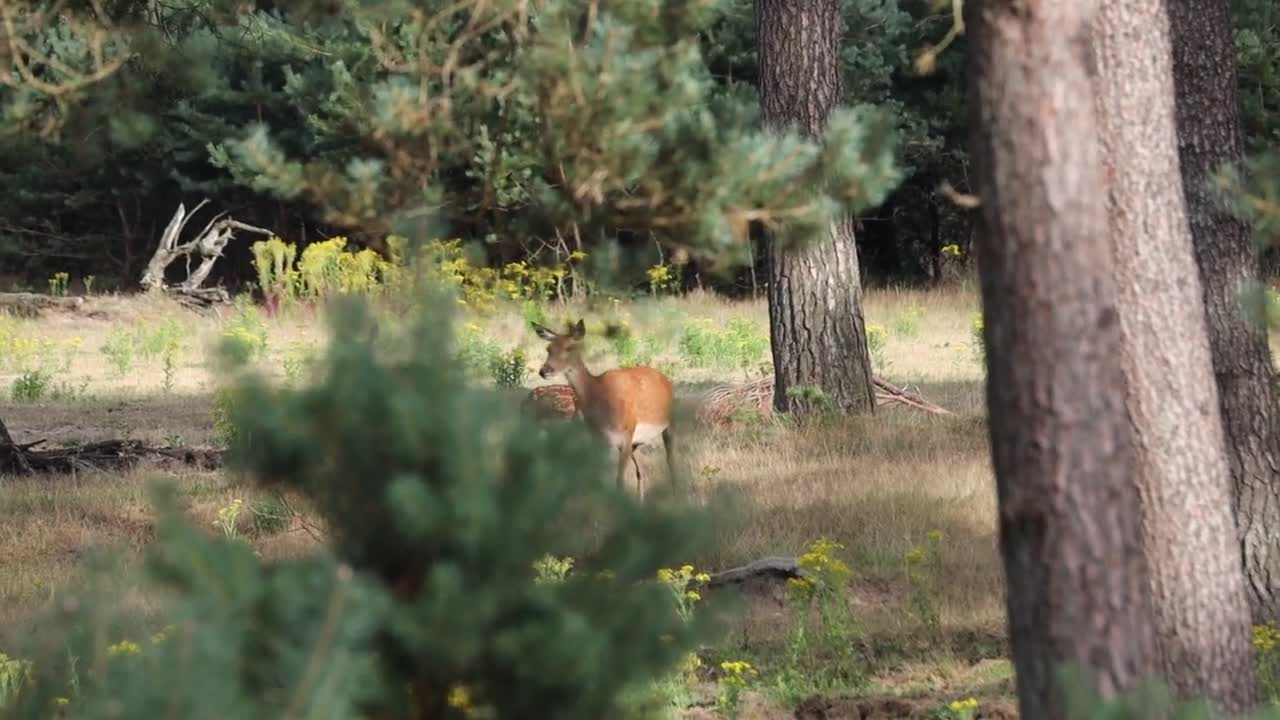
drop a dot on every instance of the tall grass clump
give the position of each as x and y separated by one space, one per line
441 506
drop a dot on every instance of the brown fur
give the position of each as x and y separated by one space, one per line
615 402
552 401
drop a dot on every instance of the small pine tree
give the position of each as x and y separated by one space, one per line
439 503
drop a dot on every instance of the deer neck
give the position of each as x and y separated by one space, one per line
581 380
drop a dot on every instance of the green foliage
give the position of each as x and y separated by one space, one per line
13 674
244 339
820 653
327 269
298 358
510 369
336 116
635 122
979 340
630 350
171 350
224 428
1257 41
31 386
738 675
742 344
907 323
273 260
119 349
159 341
877 340
58 284
1266 649
474 351
923 568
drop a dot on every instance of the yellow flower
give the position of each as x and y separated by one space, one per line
61 701
695 597
460 697
162 635
914 556
962 705
1265 637
935 535
801 583
124 647
736 672
702 578
819 561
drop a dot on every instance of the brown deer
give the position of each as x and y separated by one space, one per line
626 407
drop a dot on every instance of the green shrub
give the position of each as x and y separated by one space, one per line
740 345
907 323
31 386
119 349
245 337
154 341
509 369
474 352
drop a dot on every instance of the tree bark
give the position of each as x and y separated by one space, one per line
817 331
1068 510
1209 135
1198 595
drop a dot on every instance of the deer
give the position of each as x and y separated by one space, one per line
626 407
552 402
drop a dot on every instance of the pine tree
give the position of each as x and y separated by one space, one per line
1068 508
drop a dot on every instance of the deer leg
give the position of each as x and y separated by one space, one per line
624 454
639 480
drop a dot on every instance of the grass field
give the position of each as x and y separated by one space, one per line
883 486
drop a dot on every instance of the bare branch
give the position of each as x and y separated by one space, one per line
209 244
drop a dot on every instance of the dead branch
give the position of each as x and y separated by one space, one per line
772 568
106 455
722 402
890 394
208 244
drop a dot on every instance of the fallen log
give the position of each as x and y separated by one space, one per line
33 305
769 568
105 455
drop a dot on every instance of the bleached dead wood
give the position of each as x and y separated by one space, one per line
208 244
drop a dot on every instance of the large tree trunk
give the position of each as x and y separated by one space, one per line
816 326
1209 135
1197 585
1076 576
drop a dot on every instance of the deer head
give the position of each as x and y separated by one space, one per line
562 350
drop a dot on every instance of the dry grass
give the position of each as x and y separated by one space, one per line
879 485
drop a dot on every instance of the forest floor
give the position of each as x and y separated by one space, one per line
909 495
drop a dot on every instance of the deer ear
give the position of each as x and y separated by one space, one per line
542 332
578 331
